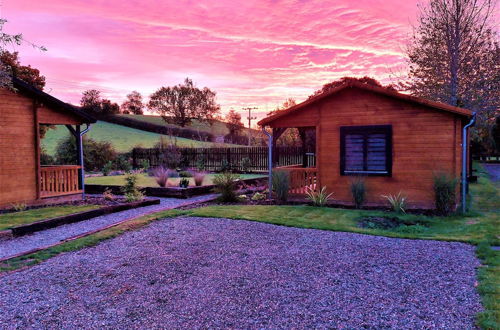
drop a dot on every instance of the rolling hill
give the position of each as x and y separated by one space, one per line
121 137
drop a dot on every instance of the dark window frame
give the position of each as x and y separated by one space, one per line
365 131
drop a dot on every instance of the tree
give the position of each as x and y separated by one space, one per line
290 136
183 103
454 57
233 122
133 104
109 108
365 80
91 100
32 76
5 69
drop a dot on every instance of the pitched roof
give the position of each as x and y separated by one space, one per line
379 90
49 100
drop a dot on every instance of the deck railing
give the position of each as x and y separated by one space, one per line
59 180
301 179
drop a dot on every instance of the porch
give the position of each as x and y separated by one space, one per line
59 180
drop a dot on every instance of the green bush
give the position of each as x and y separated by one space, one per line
358 191
225 184
96 154
107 168
200 163
281 185
225 166
145 165
246 164
319 198
130 189
445 193
122 163
45 158
398 202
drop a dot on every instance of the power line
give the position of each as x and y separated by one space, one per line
250 118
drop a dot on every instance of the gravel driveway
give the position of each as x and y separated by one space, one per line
219 273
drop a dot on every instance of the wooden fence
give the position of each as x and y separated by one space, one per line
218 159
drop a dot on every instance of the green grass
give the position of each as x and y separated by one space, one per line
144 180
121 137
9 220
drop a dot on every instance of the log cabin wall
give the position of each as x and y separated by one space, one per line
424 141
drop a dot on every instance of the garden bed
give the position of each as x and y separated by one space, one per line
172 191
109 207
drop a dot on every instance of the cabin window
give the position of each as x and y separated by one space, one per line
366 150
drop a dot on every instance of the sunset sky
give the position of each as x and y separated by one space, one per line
252 53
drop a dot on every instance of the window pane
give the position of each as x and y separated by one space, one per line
376 157
354 152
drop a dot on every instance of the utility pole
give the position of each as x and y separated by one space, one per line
250 118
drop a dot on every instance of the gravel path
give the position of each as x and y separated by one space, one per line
51 236
493 171
218 273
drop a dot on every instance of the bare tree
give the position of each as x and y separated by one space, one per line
454 57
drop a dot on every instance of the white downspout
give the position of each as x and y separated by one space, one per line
270 160
464 161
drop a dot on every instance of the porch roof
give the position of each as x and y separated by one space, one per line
379 90
51 101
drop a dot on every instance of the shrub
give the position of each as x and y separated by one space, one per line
186 174
184 183
145 165
445 193
225 184
200 163
281 185
398 202
96 154
108 195
246 164
107 168
161 175
130 189
198 178
225 166
122 163
358 191
258 196
242 198
46 159
18 207
319 198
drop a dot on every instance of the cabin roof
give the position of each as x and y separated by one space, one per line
379 90
51 101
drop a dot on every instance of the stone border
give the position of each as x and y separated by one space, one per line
175 192
76 217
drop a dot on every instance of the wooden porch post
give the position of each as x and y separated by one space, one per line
79 153
277 132
302 134
37 149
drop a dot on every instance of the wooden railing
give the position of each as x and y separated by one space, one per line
59 180
301 179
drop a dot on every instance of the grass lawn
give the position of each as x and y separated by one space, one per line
9 220
144 180
121 137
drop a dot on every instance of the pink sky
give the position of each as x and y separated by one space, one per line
252 53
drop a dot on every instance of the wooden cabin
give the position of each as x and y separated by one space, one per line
396 142
22 178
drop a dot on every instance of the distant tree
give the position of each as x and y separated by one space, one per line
182 103
32 76
288 103
365 80
290 136
133 104
91 100
109 108
7 70
96 153
454 57
233 122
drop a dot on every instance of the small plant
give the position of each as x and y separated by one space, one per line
246 164
130 189
398 202
186 174
445 193
198 178
161 175
184 183
225 184
318 198
200 163
145 165
242 198
108 195
122 163
107 168
258 196
225 167
281 185
18 207
358 191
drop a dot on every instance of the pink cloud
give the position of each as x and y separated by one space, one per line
254 53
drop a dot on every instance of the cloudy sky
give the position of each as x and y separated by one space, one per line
252 53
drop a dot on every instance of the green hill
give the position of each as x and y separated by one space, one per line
121 137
